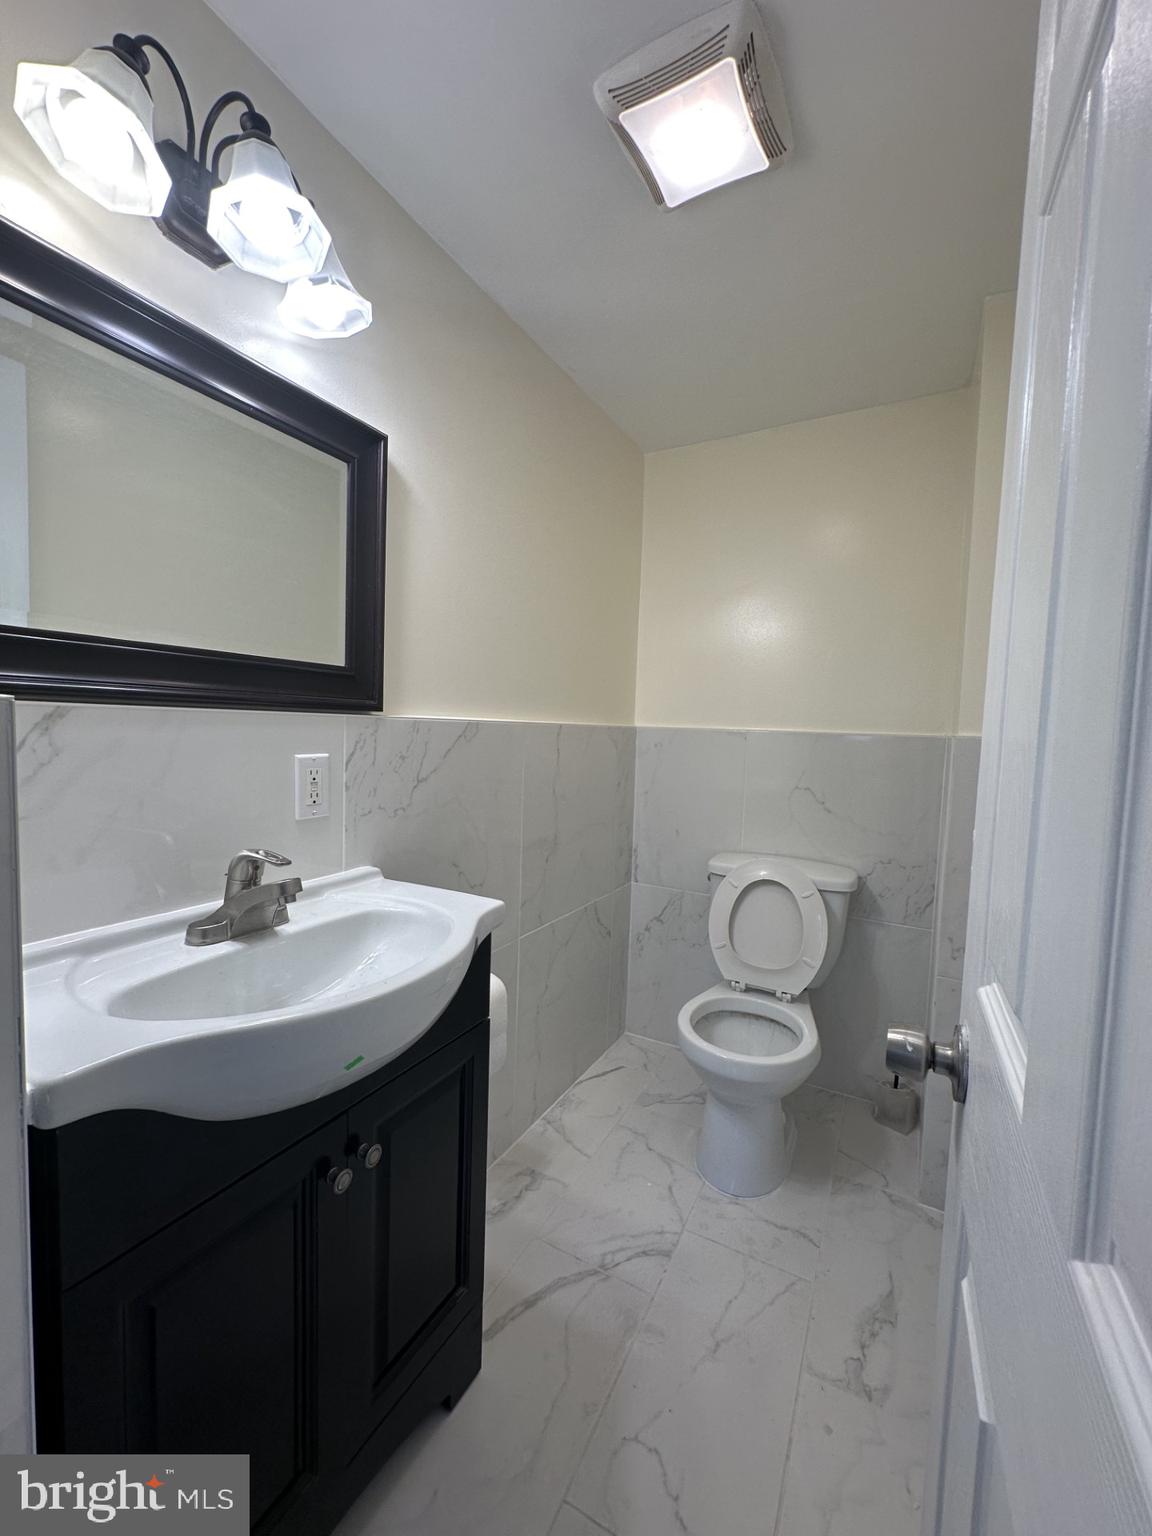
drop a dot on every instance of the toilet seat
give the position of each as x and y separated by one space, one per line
716 1049
800 942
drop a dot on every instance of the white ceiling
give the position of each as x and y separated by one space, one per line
849 276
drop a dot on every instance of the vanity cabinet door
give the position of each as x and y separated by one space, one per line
416 1224
210 1335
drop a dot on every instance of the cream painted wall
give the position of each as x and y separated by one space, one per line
514 504
994 372
812 576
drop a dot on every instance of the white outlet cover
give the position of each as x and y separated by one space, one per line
311 785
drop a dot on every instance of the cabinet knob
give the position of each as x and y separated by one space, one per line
370 1155
340 1179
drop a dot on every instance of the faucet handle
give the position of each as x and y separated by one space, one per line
247 868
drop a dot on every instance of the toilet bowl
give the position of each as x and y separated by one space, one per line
775 928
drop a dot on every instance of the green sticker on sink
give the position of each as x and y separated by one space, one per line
355 1062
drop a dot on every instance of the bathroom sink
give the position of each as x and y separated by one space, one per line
130 1017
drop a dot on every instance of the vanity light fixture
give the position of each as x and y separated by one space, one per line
701 106
93 121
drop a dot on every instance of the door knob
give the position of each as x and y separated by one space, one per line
340 1179
370 1155
912 1054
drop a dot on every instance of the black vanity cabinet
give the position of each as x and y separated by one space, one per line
302 1287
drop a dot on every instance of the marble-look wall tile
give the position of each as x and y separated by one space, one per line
669 960
562 1004
620 925
956 854
504 1123
936 1099
127 810
578 786
881 978
871 802
689 796
438 802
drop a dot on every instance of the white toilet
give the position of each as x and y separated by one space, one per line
775 926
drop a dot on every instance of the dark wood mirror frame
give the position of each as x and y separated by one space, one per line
44 664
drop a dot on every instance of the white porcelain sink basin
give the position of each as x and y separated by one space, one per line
130 1017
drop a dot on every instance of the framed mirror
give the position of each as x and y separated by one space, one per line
178 525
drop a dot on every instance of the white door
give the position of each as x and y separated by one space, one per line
1044 1423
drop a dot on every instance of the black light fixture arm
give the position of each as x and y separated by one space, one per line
251 121
132 51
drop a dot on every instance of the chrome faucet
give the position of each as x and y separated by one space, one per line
248 905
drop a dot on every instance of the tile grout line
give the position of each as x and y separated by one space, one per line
807 1332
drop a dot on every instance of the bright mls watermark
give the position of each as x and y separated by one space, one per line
188 1494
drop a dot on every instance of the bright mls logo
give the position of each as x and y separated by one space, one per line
190 1494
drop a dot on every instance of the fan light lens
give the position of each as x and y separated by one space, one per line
697 135
93 122
262 221
325 305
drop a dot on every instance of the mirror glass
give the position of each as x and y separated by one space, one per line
134 508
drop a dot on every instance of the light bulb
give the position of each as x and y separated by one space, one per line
325 305
697 135
698 141
90 135
261 219
93 122
265 222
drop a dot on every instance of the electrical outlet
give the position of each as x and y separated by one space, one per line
311 785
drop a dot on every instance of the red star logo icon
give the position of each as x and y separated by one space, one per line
154 1482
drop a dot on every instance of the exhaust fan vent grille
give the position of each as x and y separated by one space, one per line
683 68
640 163
762 119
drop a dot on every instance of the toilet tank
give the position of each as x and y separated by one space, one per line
835 882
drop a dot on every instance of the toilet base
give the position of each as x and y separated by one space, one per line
745 1149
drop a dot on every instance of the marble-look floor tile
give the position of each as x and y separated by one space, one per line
694 1435
859 1437
524 1187
871 802
562 1007
438 802
670 1127
578 782
784 1228
689 801
626 1211
670 959
851 1470
871 1153
526 1183
556 1332
570 1522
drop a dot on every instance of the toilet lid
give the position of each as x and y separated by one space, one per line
768 926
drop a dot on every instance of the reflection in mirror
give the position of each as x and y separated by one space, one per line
134 508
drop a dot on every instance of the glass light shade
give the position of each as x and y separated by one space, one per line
698 135
93 121
262 220
325 304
